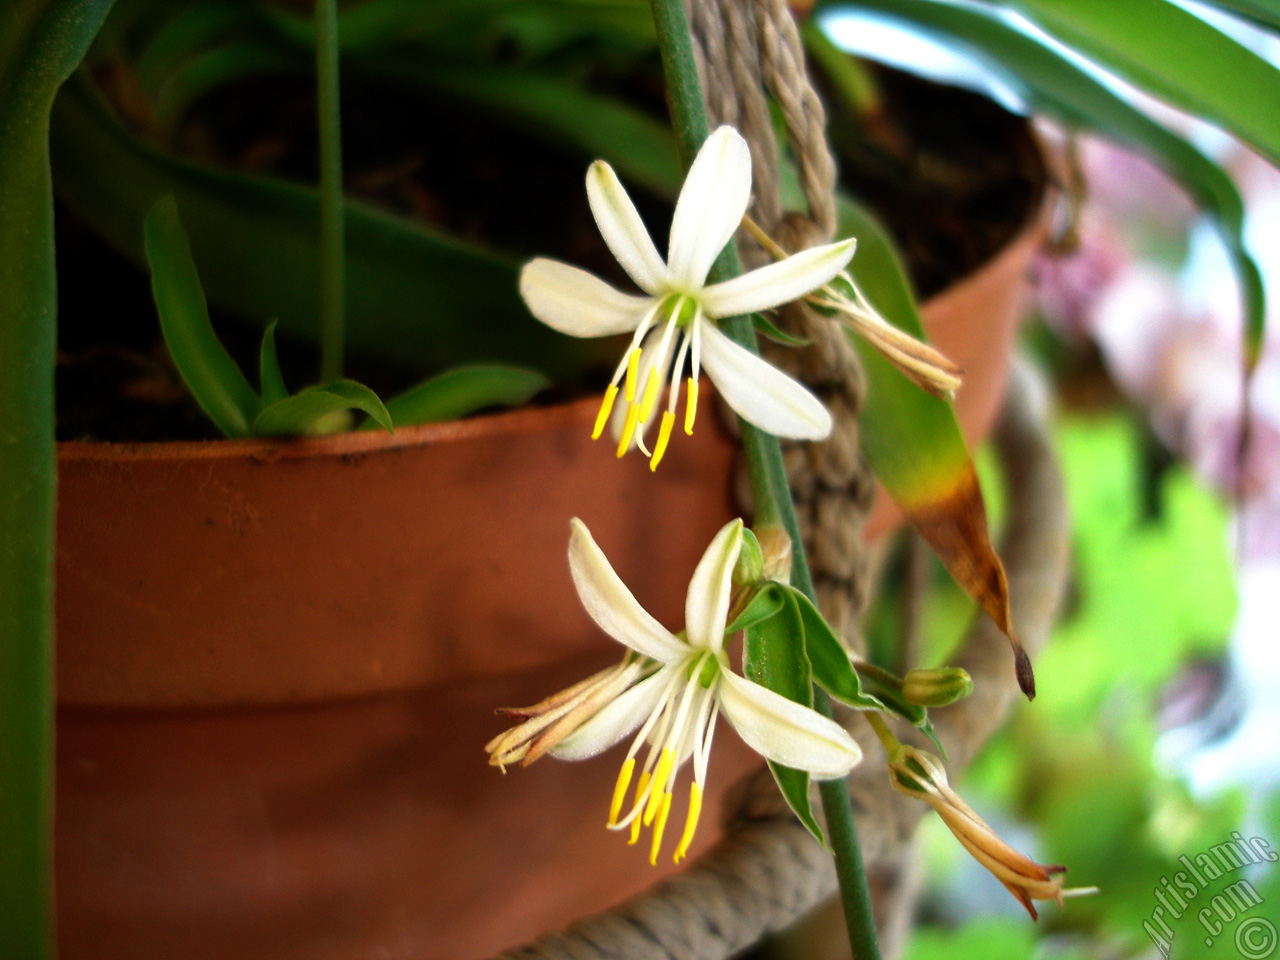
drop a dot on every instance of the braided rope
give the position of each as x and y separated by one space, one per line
768 872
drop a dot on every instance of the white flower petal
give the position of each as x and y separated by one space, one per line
712 201
706 609
761 393
578 303
623 230
611 605
787 732
777 283
614 721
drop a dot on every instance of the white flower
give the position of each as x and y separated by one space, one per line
674 317
669 690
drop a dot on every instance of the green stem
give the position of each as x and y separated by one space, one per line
765 467
332 261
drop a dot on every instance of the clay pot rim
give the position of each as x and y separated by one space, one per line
271 449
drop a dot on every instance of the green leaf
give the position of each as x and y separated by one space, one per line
464 390
206 368
767 602
270 379
41 41
913 442
1263 13
413 296
767 329
1055 85
832 668
774 657
300 413
1176 56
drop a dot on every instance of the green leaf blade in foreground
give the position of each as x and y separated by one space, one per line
209 372
774 657
41 41
300 413
463 391
1176 56
913 442
1059 87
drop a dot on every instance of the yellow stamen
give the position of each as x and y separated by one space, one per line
650 395
636 823
633 370
620 790
629 429
691 821
660 826
605 409
691 407
664 435
659 784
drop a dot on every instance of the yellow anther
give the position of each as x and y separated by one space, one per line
605 409
629 429
660 826
664 435
691 407
633 371
636 823
650 395
691 821
620 790
659 785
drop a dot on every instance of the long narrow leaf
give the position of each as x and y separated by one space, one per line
212 376
1264 13
913 442
270 379
1175 56
1055 85
41 41
462 391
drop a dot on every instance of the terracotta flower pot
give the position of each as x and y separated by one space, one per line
278 661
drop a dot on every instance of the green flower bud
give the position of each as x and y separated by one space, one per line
937 687
750 566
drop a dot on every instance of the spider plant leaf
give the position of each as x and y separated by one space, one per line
767 602
301 412
913 442
210 373
1175 56
414 296
832 668
41 41
1057 86
270 379
773 656
464 390
1262 13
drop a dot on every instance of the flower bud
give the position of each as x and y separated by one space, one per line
775 545
937 687
750 566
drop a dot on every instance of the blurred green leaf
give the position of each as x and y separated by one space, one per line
301 412
774 657
1263 13
462 391
413 296
41 41
271 380
212 376
1056 85
1175 56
